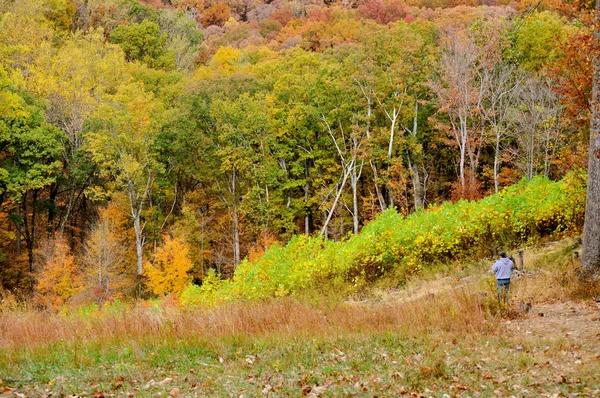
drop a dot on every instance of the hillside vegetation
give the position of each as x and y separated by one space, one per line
521 214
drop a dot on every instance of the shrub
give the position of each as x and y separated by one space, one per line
522 213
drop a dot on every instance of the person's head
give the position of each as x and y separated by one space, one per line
503 254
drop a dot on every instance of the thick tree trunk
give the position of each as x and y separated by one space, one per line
416 185
590 258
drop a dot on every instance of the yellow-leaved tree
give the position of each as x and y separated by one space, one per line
59 277
168 273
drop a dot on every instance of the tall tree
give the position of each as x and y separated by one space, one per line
590 260
122 143
29 158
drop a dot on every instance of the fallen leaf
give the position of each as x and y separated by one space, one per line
426 371
165 381
316 391
306 389
174 392
560 379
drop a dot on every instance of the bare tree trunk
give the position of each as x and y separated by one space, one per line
307 216
236 238
416 183
463 149
380 197
235 219
139 242
337 198
496 163
590 256
18 232
367 94
354 177
414 170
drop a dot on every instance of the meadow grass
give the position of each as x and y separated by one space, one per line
454 341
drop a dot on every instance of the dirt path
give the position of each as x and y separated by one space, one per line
565 336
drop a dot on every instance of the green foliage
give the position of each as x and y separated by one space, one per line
538 39
29 146
195 295
404 246
143 42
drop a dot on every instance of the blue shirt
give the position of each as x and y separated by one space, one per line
503 268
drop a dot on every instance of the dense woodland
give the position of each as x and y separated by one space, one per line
142 140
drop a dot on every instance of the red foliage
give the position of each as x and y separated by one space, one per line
384 12
321 15
471 190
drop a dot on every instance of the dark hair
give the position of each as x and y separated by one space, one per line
503 254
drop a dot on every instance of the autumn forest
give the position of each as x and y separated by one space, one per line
149 145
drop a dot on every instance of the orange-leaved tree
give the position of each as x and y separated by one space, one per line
59 277
168 272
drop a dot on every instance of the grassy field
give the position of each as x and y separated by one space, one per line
438 337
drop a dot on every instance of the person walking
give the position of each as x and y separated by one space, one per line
503 270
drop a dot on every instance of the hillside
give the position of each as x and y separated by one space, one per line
433 338
133 132
399 248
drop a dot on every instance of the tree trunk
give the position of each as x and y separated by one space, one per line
380 197
590 256
463 149
337 198
496 163
416 185
18 232
236 238
139 242
354 183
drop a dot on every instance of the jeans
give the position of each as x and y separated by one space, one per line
503 286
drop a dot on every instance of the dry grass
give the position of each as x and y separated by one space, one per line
439 337
552 274
458 310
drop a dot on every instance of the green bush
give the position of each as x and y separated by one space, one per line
522 213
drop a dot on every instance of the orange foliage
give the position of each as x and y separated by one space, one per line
216 14
59 278
472 188
168 273
283 16
266 239
574 73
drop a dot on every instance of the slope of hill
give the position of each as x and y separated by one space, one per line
391 244
453 341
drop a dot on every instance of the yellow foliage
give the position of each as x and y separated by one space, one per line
59 277
168 273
